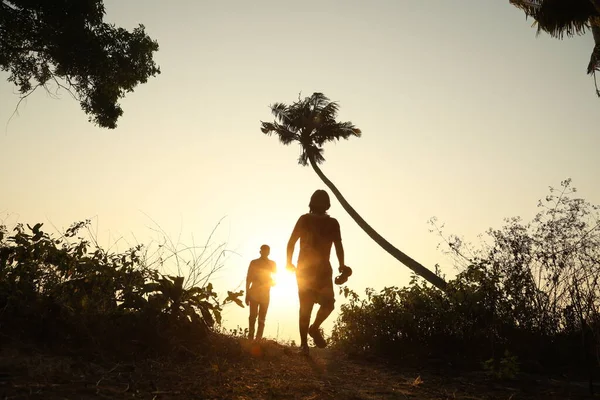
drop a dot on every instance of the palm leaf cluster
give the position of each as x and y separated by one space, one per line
567 17
311 122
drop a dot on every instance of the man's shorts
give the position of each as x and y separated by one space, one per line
315 285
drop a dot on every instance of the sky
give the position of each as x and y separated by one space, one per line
466 115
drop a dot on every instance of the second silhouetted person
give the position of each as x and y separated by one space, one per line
258 290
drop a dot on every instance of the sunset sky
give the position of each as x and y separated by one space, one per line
466 115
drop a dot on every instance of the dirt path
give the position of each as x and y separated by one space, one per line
276 372
244 372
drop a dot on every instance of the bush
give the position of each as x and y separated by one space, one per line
528 298
67 291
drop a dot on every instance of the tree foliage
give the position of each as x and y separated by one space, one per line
531 292
561 18
71 291
311 122
66 42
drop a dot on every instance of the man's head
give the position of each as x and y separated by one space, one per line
319 202
265 250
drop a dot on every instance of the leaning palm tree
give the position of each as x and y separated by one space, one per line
567 17
312 123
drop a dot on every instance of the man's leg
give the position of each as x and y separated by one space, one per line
306 306
324 312
326 299
262 315
252 319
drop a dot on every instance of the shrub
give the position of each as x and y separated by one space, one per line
529 296
67 290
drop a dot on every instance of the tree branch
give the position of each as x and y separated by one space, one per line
22 97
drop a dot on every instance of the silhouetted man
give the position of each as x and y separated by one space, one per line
317 231
258 290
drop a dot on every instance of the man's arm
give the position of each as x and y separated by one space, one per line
292 243
290 249
339 252
337 242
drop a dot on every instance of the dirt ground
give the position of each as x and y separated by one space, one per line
266 371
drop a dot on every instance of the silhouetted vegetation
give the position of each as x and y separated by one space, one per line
567 17
78 321
527 299
69 292
67 45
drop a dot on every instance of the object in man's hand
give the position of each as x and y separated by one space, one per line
346 272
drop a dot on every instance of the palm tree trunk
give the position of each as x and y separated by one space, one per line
387 246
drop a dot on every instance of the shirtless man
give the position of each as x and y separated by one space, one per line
317 231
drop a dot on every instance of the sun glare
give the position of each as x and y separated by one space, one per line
285 283
284 295
282 317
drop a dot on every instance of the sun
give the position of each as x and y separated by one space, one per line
284 294
285 283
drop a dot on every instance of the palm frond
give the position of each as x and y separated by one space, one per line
267 127
348 130
529 6
311 122
285 135
335 131
329 112
594 64
565 17
280 111
318 100
314 152
559 17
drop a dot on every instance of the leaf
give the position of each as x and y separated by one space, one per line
157 302
190 311
208 319
36 228
176 292
152 287
234 297
178 282
196 294
217 314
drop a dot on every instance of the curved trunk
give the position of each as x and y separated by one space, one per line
387 246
